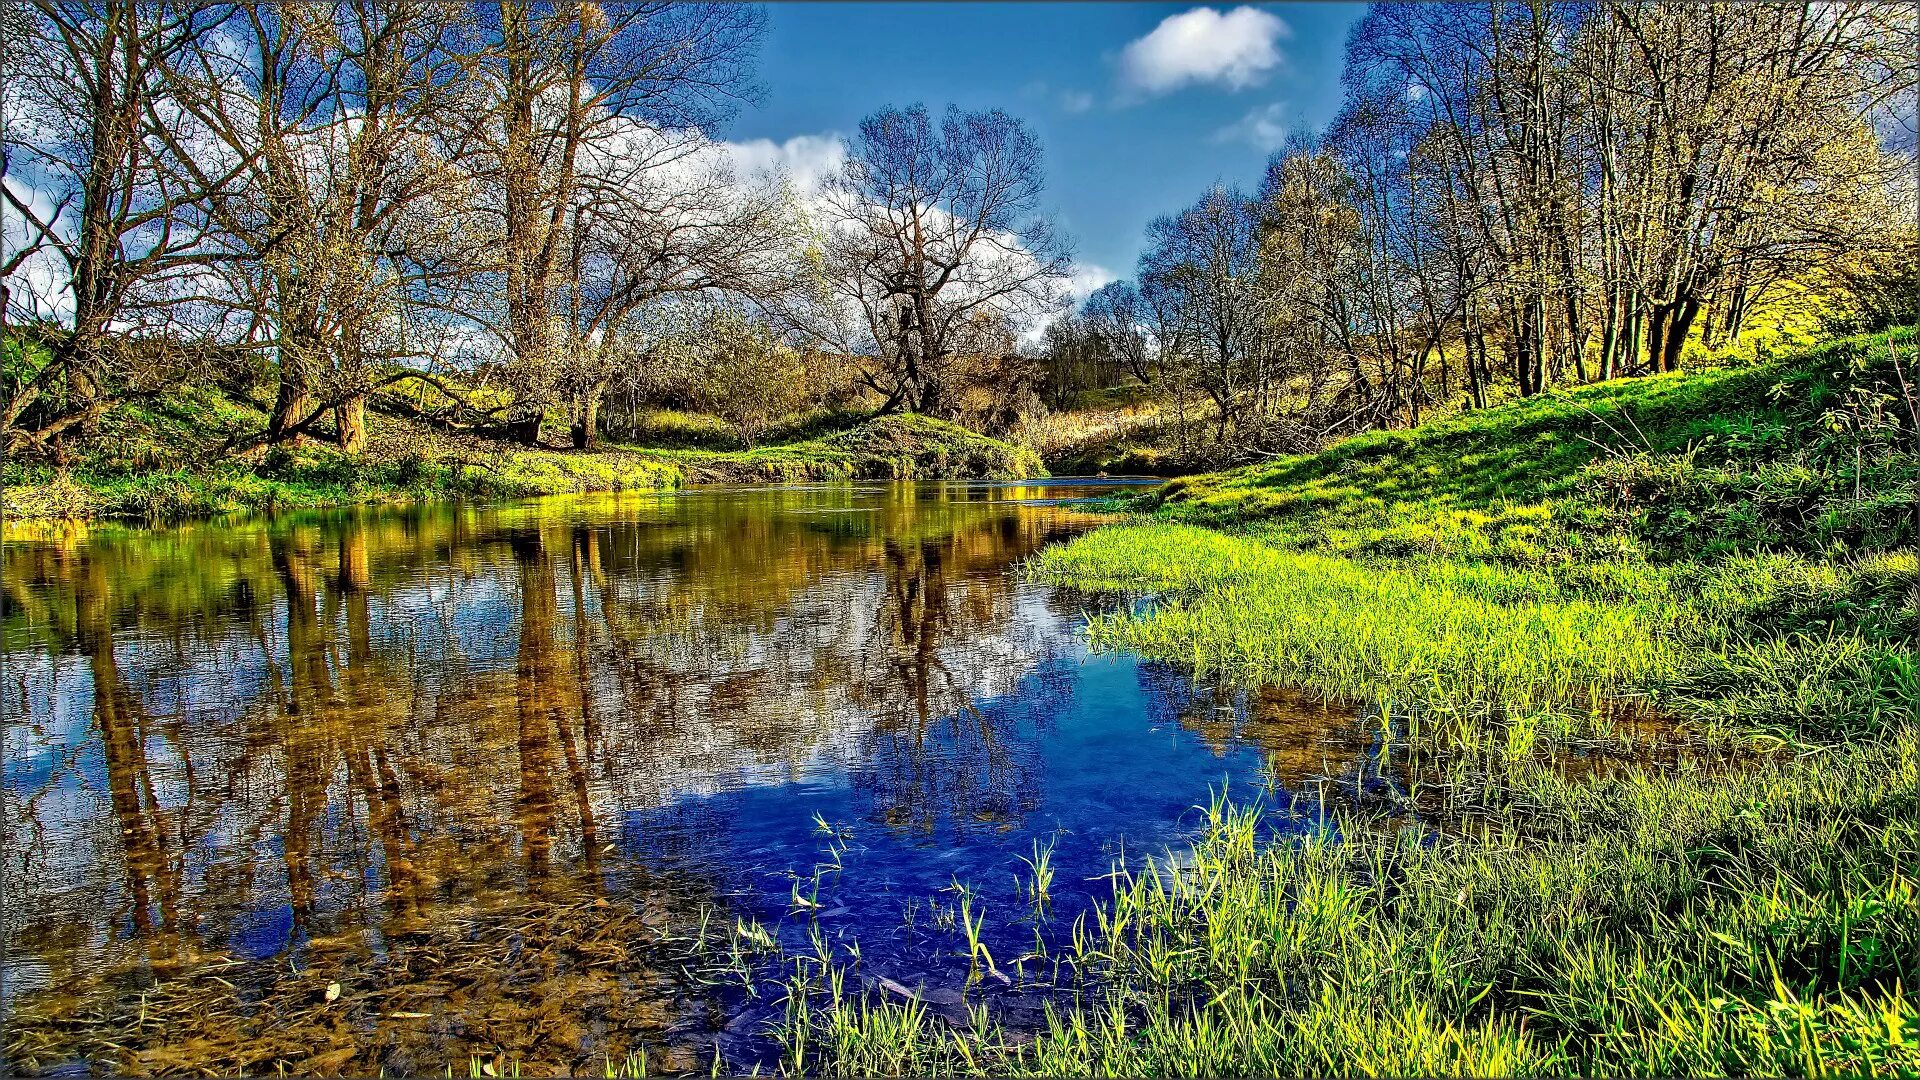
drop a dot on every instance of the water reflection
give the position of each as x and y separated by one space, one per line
490 770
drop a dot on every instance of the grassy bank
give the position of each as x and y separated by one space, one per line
405 461
1727 552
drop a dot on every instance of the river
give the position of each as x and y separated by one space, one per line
394 787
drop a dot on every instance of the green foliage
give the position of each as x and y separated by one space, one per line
675 429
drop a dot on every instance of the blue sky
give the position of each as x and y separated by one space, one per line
1140 106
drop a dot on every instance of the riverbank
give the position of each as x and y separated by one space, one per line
1647 652
407 462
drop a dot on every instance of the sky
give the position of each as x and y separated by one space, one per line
1140 107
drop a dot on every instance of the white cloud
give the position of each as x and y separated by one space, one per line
1075 101
1264 128
805 160
1086 279
1235 50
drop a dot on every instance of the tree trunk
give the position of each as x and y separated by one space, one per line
291 405
350 418
1476 344
1630 321
586 419
1609 335
1657 337
525 430
1677 332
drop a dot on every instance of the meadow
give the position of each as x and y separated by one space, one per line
1648 652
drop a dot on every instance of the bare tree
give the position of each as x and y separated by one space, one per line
1203 266
928 226
344 209
87 182
1114 317
559 82
664 216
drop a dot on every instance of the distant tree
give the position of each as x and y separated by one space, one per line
1073 359
1202 267
926 225
746 375
1115 318
670 220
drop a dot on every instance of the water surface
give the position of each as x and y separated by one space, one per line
386 788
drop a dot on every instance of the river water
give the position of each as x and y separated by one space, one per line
398 787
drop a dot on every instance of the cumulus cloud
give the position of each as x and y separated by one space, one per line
1264 128
805 160
1235 50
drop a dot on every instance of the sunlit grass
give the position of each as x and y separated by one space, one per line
1381 635
1713 547
413 466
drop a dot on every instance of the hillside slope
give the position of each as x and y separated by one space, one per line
1731 544
1806 452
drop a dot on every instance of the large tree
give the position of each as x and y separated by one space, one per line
564 84
344 210
94 200
928 226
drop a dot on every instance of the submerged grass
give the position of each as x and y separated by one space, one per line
1766 924
1731 549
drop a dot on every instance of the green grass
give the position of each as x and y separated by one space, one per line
404 462
1765 923
315 477
1730 550
1690 464
902 446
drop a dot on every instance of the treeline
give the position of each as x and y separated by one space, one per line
1517 196
515 211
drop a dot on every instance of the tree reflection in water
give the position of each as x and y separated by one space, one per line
486 769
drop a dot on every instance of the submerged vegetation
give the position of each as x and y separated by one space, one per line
1729 551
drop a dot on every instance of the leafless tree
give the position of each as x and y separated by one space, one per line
561 84
1114 317
344 211
928 226
92 202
